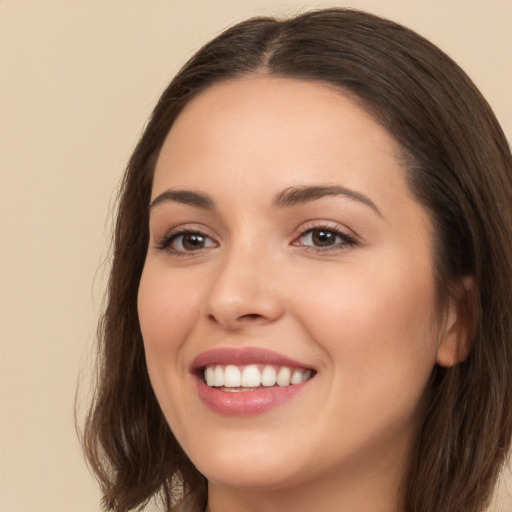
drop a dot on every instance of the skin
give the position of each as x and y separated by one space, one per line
364 315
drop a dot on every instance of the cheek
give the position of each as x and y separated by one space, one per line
377 327
166 308
167 312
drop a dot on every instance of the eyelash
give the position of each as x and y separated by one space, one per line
347 241
169 239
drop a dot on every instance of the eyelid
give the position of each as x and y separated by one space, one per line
163 242
349 237
328 225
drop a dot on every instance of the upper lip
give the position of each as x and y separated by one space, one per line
243 356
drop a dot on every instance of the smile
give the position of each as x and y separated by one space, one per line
253 376
247 381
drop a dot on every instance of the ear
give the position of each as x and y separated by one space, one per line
457 332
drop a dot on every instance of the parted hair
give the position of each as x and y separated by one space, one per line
459 167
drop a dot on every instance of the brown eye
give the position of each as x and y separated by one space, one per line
320 237
190 241
325 238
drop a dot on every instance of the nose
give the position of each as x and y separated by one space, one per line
244 292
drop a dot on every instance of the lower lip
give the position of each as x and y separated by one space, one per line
246 403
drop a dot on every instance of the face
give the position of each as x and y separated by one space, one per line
285 244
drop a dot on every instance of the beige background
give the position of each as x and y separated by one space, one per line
77 82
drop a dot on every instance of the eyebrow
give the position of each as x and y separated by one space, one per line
289 197
299 195
185 197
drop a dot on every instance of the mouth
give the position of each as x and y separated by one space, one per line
232 378
249 380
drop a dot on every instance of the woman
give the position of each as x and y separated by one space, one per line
309 304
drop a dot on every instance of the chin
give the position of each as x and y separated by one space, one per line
250 475
254 465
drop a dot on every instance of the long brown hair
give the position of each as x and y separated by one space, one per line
459 168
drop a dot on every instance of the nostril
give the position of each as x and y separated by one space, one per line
250 315
235 312
240 320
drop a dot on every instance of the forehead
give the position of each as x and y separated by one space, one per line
281 131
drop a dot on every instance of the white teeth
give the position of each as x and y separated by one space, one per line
250 377
218 376
232 376
268 376
296 377
209 376
284 376
307 375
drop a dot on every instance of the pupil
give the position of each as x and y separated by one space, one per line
193 241
323 238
